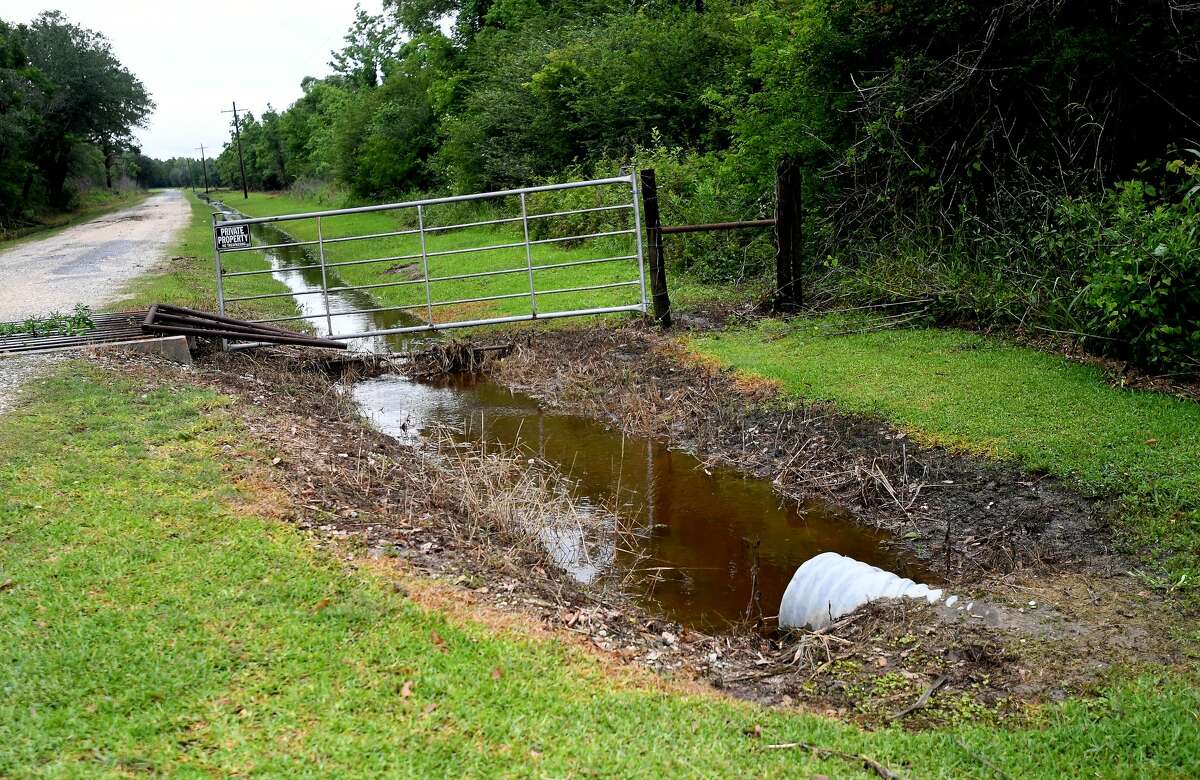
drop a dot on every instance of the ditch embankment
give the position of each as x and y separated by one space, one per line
453 508
690 494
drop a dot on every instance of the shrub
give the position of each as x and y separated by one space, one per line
692 188
1144 283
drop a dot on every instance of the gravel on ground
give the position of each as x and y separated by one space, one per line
16 371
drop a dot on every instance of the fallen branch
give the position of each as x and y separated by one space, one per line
858 758
923 699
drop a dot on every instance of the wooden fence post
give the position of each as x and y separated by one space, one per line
654 250
789 237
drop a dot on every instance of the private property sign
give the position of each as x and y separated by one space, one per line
232 237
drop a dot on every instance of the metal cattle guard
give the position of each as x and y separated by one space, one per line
230 236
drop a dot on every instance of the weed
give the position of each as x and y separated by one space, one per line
79 320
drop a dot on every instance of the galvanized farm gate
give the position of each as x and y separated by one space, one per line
235 235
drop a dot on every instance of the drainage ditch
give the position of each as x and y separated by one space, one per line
288 264
704 546
702 540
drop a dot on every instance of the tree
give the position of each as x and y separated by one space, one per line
19 123
90 97
371 42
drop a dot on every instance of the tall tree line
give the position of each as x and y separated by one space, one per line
67 108
939 102
1016 164
178 172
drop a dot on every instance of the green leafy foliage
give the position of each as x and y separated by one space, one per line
965 154
79 320
1143 285
68 108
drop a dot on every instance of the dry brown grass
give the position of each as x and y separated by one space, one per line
502 491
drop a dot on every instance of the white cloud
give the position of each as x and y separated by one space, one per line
196 57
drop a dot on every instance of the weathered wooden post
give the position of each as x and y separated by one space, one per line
789 236
654 250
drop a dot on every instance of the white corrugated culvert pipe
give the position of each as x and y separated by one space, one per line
829 585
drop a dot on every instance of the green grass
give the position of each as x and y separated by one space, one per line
91 205
153 624
188 277
686 292
984 395
413 294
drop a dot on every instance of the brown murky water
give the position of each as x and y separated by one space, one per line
703 535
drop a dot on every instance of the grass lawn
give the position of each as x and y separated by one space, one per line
154 622
404 290
91 205
984 395
188 277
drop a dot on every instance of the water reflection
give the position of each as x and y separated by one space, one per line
289 266
703 535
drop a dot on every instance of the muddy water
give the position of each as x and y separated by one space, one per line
345 306
703 540
703 536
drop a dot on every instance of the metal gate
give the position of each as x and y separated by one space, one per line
451 262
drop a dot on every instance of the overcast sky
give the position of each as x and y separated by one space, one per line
195 56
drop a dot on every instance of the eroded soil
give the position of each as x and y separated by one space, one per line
966 517
1067 612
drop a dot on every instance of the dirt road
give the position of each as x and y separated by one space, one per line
89 263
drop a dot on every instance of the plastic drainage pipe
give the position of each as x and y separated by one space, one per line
830 585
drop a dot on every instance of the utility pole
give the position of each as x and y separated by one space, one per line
203 167
237 134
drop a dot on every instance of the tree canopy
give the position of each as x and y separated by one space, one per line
976 154
64 98
937 103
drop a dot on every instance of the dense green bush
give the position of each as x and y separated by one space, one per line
1119 269
1144 284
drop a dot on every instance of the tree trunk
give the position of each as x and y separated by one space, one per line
56 177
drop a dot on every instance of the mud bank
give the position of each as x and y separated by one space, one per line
398 509
967 518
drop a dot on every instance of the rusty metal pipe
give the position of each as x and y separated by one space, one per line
753 223
171 309
268 338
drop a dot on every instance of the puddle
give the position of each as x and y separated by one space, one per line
696 530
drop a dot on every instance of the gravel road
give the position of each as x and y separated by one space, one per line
92 262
